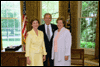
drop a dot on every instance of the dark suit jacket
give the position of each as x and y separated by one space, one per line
48 44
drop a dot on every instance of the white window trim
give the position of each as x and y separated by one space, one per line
89 51
8 18
41 13
11 28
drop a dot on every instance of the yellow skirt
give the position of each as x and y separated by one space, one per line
36 59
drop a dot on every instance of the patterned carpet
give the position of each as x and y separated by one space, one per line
89 60
90 63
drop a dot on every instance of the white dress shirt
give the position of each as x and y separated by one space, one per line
50 29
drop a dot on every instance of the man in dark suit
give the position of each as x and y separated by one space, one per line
48 30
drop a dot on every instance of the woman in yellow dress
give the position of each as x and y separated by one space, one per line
35 47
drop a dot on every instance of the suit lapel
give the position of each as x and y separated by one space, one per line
45 32
33 33
52 29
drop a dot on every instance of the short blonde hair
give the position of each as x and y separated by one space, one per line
48 14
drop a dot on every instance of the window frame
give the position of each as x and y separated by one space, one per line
41 13
14 25
90 51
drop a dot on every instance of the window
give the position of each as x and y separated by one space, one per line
88 21
51 7
10 23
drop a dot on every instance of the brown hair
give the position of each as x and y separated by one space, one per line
34 20
61 18
48 14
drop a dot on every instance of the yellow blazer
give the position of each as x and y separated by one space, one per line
34 43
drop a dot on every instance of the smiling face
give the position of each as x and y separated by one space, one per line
35 24
60 24
47 19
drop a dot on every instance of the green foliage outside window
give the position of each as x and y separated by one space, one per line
88 25
51 7
10 23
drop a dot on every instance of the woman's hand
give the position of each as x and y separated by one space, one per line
44 58
66 57
28 61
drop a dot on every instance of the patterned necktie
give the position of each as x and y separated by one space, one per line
48 32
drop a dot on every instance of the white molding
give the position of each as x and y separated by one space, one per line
8 18
89 51
88 17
